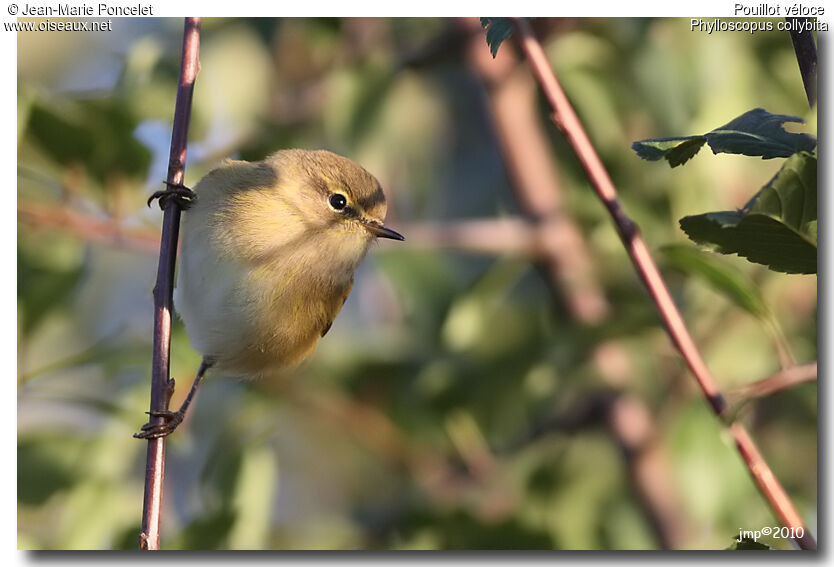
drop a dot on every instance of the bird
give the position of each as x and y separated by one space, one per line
267 258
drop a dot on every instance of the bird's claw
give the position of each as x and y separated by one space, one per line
150 430
176 192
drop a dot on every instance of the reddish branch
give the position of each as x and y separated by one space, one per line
375 431
103 230
566 119
568 269
635 429
164 288
563 256
505 235
783 380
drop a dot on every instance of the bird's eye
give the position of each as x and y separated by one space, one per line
338 201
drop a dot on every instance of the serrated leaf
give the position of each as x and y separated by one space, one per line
776 228
676 151
760 133
497 30
754 133
721 276
791 195
759 238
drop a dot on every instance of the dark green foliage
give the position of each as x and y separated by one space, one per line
497 30
760 133
546 477
721 276
747 544
791 196
777 228
375 85
63 136
42 286
461 531
208 531
653 149
754 133
677 151
44 467
757 237
97 133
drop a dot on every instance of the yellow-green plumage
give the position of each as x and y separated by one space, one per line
267 262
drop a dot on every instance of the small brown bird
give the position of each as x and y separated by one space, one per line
267 259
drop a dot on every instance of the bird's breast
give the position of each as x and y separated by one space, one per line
288 306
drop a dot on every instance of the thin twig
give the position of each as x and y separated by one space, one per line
375 431
806 56
566 265
635 429
492 236
782 380
94 229
566 119
564 259
505 235
164 288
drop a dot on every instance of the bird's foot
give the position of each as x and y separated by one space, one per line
151 430
176 192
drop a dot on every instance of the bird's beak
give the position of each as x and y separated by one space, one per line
377 229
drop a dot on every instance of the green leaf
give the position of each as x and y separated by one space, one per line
754 133
747 544
459 529
776 228
210 530
677 151
45 466
759 238
253 496
721 276
760 133
61 133
98 133
373 85
497 30
43 283
791 195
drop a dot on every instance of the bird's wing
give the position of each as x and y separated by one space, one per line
338 308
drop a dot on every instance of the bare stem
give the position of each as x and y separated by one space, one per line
567 120
490 236
87 226
564 259
505 235
782 380
164 288
806 56
566 264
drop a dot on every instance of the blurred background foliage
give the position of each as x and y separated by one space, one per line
457 402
